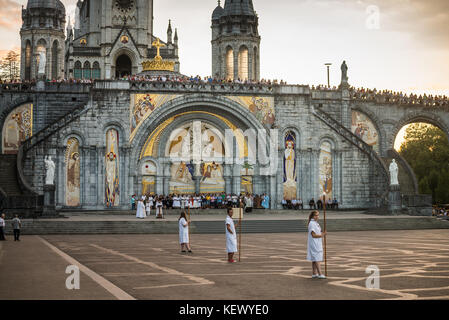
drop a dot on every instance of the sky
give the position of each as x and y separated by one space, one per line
400 45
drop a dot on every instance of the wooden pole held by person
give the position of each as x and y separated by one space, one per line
325 246
240 232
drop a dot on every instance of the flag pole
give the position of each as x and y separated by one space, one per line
325 245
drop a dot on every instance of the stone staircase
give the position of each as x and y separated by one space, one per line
8 175
360 144
42 227
16 194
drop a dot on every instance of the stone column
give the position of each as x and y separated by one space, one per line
100 177
60 196
49 201
394 199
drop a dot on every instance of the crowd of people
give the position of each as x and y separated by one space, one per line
147 202
388 96
398 97
200 80
440 211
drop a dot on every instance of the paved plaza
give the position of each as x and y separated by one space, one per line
412 264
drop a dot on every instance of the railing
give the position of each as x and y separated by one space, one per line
23 87
399 100
190 86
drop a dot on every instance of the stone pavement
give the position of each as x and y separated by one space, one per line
413 265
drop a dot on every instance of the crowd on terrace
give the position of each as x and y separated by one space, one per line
382 96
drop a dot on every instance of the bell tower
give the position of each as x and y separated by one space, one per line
235 41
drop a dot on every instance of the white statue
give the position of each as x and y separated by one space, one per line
394 173
50 167
42 63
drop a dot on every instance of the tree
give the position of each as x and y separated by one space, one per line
426 149
10 66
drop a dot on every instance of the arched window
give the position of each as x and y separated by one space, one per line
28 60
96 72
243 63
230 64
87 73
77 73
72 177
326 172
54 62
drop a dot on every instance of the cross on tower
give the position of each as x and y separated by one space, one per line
157 43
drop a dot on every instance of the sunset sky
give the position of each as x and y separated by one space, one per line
406 49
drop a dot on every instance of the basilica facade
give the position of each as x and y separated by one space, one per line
162 133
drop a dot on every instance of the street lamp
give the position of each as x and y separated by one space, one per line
328 79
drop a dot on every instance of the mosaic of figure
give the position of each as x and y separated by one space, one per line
212 178
72 162
17 128
290 166
326 170
182 178
112 192
364 128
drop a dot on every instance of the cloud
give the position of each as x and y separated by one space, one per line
10 14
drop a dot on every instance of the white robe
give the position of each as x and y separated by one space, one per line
176 202
196 203
231 239
140 210
183 231
148 208
314 245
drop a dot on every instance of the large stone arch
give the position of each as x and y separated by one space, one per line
237 114
414 117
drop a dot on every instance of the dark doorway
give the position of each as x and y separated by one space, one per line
123 66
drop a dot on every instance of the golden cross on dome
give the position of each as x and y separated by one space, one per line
157 43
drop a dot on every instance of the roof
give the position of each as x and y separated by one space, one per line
239 8
46 4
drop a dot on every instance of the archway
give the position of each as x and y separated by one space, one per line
424 146
123 66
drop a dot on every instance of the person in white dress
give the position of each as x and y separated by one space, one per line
148 205
184 232
140 209
196 203
231 236
176 202
315 245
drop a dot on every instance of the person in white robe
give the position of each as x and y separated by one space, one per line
148 205
184 232
140 209
315 245
176 202
231 236
196 203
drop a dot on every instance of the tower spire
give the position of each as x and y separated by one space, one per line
169 33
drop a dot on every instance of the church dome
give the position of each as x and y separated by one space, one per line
239 8
46 4
218 12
